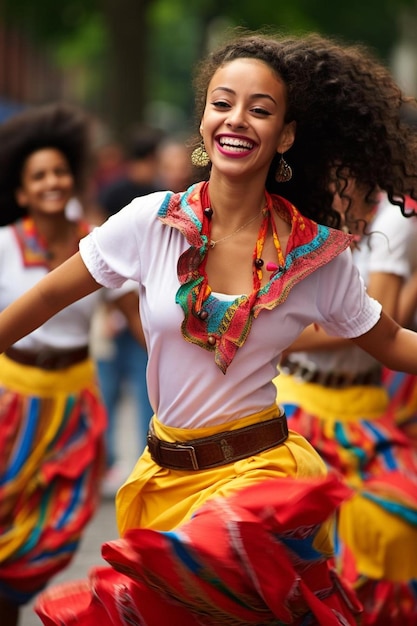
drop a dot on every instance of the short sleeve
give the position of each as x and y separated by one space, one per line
112 251
346 308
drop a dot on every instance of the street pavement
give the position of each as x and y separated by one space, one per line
103 526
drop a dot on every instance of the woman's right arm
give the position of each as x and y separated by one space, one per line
63 286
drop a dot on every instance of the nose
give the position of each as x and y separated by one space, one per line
53 179
236 118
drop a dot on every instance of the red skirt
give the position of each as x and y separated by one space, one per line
247 559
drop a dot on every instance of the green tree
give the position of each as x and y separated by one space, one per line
132 55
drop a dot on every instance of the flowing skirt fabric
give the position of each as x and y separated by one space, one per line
402 391
246 543
354 432
51 441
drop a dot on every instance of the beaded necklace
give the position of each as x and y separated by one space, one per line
257 261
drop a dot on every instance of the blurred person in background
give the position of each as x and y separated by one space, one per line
109 165
52 418
402 387
121 361
333 394
140 171
175 169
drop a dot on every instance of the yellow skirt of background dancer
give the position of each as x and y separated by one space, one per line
162 499
51 459
384 543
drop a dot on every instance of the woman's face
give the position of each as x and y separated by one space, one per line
243 122
47 183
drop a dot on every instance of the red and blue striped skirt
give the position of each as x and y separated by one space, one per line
51 461
355 433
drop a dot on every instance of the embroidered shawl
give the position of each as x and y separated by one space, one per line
310 246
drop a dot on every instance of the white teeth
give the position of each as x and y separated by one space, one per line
53 195
236 143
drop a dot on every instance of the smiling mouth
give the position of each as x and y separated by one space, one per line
233 144
53 195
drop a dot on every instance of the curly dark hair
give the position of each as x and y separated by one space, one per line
57 125
348 111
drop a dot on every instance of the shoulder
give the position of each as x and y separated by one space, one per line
8 234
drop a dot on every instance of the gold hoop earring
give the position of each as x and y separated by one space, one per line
199 156
284 171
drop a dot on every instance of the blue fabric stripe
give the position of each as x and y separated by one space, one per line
384 451
343 440
290 409
184 555
401 510
303 548
26 441
78 487
396 380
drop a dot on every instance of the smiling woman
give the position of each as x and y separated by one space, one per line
51 415
46 187
227 517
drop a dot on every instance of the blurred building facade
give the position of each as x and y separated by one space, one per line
26 75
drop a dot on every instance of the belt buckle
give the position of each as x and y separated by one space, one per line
191 450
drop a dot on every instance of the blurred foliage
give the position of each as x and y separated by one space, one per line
49 21
370 21
183 30
77 33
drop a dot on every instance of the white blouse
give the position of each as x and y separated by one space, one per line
68 329
186 388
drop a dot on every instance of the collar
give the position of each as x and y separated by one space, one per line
32 246
224 331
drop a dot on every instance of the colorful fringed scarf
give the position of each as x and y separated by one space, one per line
310 246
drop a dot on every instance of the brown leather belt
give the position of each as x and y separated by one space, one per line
221 449
335 380
48 359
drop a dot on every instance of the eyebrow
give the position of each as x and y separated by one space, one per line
253 96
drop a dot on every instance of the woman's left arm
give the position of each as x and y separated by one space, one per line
394 346
55 291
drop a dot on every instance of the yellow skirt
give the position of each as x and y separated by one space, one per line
162 499
356 435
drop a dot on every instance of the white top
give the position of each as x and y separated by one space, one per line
390 244
186 388
387 248
68 329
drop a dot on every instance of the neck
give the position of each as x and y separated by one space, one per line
53 228
234 204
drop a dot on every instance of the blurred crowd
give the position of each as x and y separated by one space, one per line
149 160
